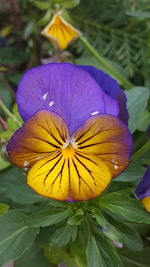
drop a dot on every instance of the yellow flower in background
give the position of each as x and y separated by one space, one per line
60 32
5 31
2 68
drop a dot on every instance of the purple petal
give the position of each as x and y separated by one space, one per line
123 112
143 189
111 88
64 88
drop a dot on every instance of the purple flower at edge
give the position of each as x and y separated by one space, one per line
143 190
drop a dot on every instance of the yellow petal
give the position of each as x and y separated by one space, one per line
68 175
146 203
107 138
60 32
42 135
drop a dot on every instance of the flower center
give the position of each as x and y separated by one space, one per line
69 147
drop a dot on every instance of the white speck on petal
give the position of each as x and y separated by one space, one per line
51 103
45 96
95 113
116 167
26 163
114 161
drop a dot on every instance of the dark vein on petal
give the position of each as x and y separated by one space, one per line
89 171
58 131
86 158
50 160
51 169
80 176
60 173
104 142
69 174
84 141
85 132
46 142
52 134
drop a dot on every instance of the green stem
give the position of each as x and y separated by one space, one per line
143 149
9 114
122 80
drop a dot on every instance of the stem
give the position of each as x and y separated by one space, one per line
8 113
3 124
143 149
106 64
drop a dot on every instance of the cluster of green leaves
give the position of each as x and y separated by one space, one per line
112 230
122 38
82 234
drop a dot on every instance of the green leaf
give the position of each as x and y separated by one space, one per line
14 77
136 103
42 5
14 187
77 252
3 208
47 217
15 236
144 121
70 3
113 233
3 164
63 235
44 19
23 194
97 214
33 257
99 217
77 218
53 256
128 208
58 204
12 56
101 252
139 14
108 252
135 259
130 237
132 173
94 258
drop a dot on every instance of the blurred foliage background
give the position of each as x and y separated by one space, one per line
119 30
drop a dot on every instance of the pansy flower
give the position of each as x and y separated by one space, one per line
60 32
74 139
143 190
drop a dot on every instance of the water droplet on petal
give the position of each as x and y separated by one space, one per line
116 167
95 113
45 96
51 103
